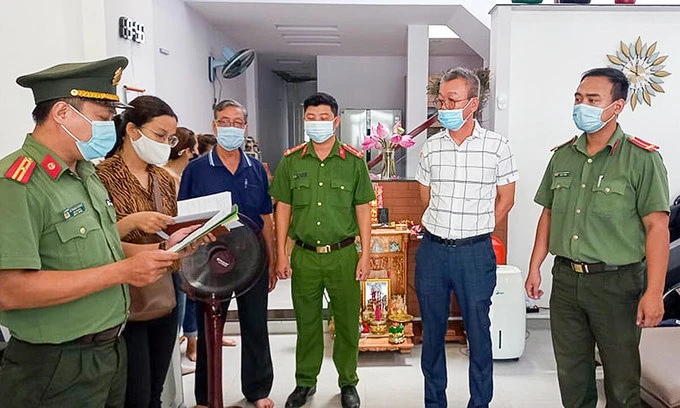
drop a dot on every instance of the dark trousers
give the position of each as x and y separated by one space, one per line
190 323
63 375
257 372
150 346
470 272
596 309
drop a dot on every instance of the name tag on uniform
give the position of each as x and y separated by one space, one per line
299 174
73 211
562 174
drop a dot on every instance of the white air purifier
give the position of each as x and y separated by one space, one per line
508 314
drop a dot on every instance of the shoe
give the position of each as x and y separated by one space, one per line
299 396
350 397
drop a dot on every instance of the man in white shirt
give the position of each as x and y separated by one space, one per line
467 175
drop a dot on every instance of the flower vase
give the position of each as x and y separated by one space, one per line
389 166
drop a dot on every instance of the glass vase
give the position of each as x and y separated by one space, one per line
389 166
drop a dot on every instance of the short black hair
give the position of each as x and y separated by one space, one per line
42 110
321 98
617 78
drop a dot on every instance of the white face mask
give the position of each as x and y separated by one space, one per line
151 151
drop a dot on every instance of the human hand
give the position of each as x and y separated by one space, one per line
283 270
650 310
182 233
151 222
273 278
363 268
533 283
147 267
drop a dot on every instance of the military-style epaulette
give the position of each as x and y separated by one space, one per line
21 170
642 144
568 142
353 150
292 150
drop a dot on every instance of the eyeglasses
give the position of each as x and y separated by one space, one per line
448 103
228 123
171 140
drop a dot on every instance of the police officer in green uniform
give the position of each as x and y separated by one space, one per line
324 194
605 218
63 269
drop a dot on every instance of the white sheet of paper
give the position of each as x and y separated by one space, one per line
206 204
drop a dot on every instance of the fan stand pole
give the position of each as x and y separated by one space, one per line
214 328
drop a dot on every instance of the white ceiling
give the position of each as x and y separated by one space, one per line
364 30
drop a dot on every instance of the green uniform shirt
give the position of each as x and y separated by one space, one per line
598 202
323 194
59 221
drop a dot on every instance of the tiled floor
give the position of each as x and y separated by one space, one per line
394 380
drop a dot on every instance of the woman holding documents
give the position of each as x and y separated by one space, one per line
144 195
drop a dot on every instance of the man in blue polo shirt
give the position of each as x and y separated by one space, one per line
228 168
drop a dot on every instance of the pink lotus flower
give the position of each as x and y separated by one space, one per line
370 142
380 131
381 139
402 140
397 129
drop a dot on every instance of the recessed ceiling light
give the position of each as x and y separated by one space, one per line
315 43
441 31
306 28
293 37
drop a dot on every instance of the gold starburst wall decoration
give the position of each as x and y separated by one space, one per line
644 68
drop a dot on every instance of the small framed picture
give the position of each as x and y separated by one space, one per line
377 293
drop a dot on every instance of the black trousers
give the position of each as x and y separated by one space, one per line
150 346
257 373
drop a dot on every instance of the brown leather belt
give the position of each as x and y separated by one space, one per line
591 268
326 248
104 335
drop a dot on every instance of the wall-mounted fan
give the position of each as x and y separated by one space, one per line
233 65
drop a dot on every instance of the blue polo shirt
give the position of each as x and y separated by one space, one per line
249 186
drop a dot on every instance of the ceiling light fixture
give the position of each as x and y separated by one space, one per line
315 43
289 61
441 31
306 28
310 37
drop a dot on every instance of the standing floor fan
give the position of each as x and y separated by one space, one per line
215 273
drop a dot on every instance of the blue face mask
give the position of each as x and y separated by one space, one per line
319 130
102 141
453 119
230 138
588 118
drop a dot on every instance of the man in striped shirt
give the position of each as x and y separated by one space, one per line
467 175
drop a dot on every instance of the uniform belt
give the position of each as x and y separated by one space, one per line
104 335
591 268
456 242
326 248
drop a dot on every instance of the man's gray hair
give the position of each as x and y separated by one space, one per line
227 103
471 79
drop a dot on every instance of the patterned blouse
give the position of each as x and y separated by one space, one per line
130 197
